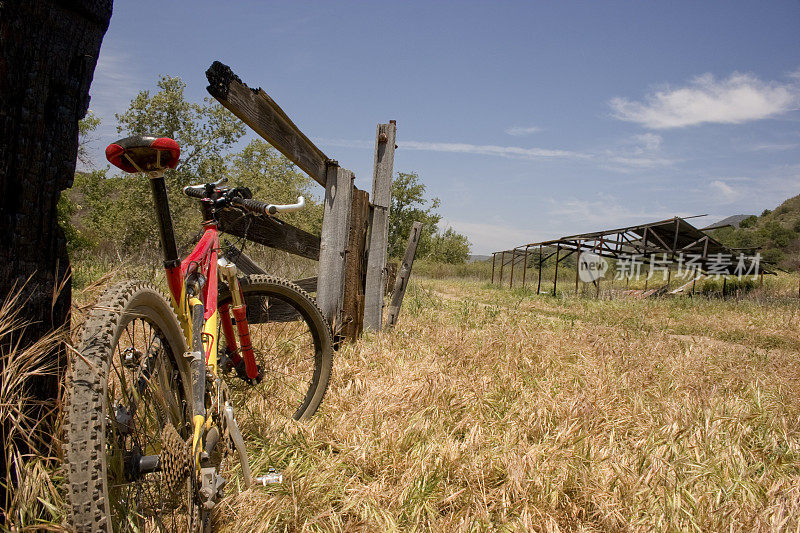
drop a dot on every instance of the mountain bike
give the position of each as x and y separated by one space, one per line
153 384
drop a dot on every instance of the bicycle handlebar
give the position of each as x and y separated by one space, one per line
195 191
269 209
202 192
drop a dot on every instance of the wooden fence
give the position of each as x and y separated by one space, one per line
352 249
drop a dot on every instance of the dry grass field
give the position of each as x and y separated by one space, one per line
491 409
502 410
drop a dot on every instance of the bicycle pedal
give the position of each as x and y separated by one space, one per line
272 477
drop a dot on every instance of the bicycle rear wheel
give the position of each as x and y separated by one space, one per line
127 417
292 345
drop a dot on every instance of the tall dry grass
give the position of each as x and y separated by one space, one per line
33 496
496 409
490 409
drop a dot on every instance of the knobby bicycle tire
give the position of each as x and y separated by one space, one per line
102 430
292 344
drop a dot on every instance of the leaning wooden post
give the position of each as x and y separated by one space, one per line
333 242
404 275
379 235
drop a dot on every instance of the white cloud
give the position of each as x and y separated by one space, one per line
522 130
603 213
464 148
632 154
488 149
725 191
114 84
635 154
773 147
739 98
648 141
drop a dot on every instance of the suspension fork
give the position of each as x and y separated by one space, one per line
239 312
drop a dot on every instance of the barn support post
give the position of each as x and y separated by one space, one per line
494 258
577 268
524 267
597 286
539 281
555 276
513 261
379 234
502 264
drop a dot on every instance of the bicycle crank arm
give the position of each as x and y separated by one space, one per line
238 442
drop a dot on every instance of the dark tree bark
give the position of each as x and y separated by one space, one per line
48 53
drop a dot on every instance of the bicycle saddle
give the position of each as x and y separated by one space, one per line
143 153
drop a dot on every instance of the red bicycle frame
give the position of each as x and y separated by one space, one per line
203 261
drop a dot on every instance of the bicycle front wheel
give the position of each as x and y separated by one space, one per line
292 345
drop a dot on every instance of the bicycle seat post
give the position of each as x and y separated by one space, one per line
169 247
151 156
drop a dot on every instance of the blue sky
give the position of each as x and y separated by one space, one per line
529 120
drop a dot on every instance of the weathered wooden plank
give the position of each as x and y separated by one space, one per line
353 307
269 231
333 243
244 263
265 117
379 235
307 284
248 267
276 311
404 275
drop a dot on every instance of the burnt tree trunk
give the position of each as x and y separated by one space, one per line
48 53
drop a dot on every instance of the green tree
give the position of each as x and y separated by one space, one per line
205 132
114 213
749 222
409 205
449 247
272 178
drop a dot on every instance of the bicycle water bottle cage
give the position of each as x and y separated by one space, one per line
143 153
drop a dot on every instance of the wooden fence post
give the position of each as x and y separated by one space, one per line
333 242
353 304
404 275
379 234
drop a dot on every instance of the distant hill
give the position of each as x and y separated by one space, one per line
476 258
733 220
776 232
